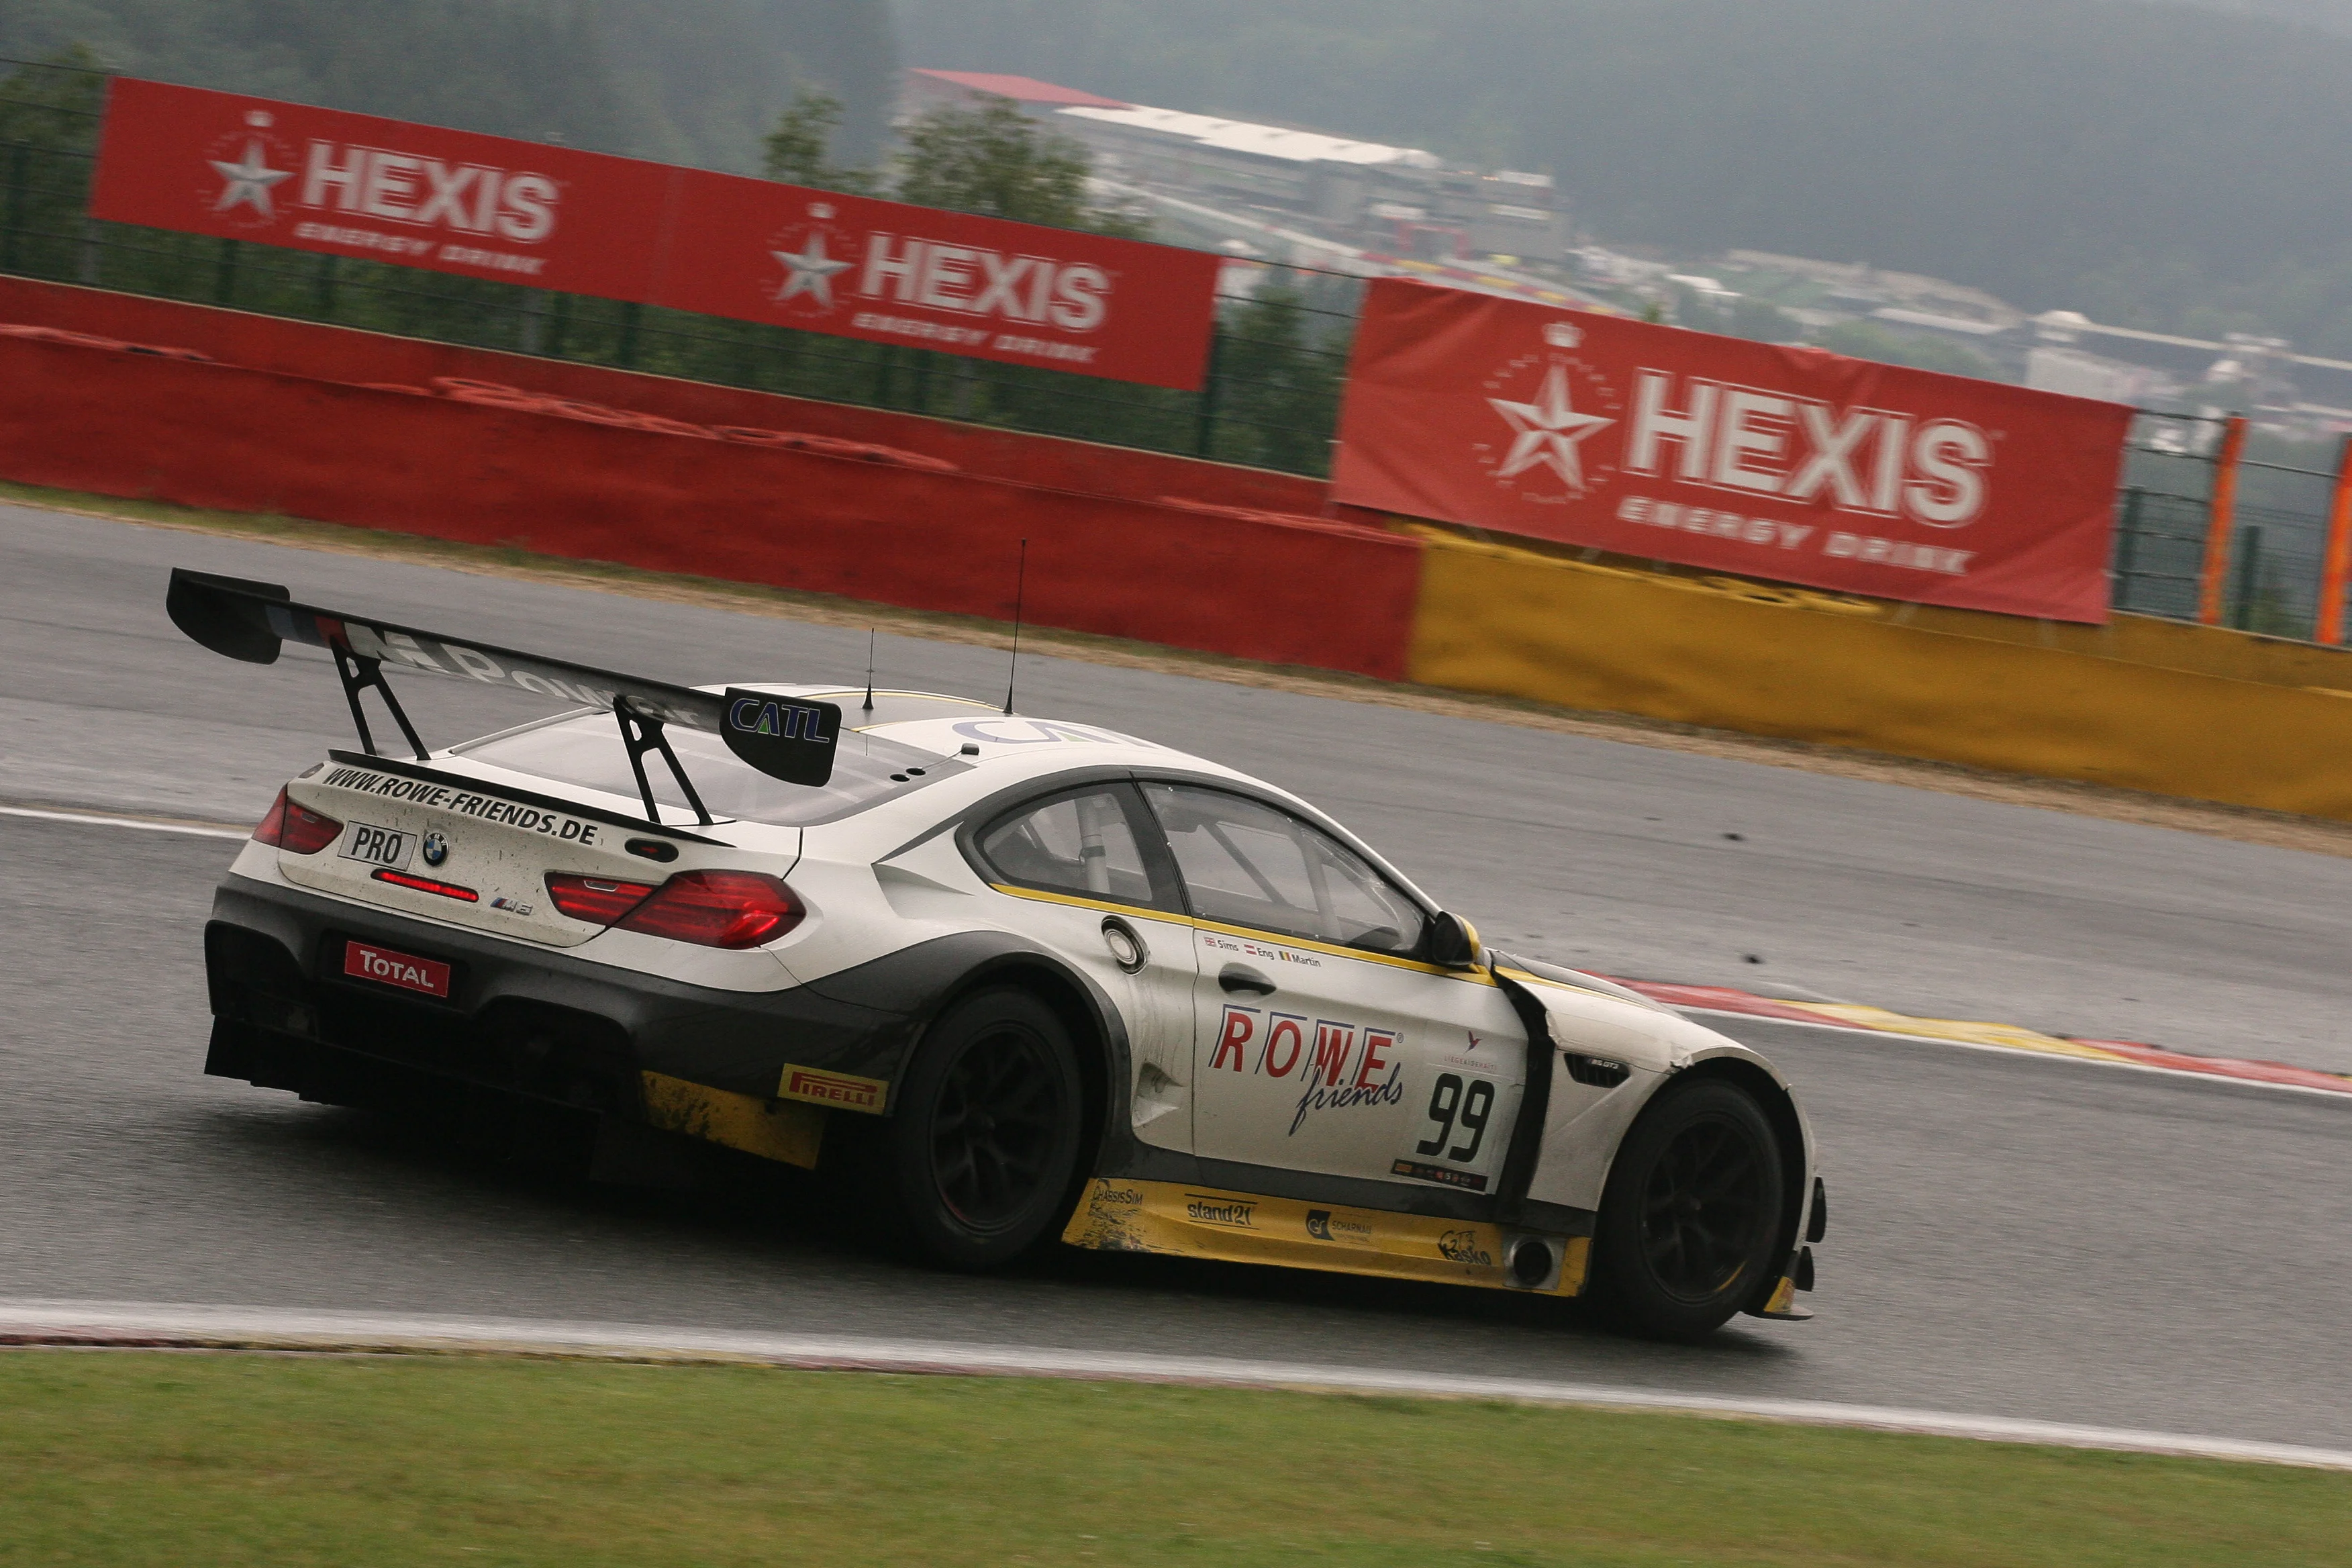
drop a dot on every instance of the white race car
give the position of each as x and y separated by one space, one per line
1023 978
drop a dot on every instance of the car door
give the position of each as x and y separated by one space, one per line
1093 882
1321 1041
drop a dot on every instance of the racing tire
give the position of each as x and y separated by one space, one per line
1690 1216
981 1154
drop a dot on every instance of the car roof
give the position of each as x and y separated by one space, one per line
945 725
1015 748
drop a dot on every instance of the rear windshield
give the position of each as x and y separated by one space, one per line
584 750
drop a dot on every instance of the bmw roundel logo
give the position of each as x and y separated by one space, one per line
436 849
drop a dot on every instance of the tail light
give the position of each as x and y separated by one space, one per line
594 899
711 909
297 829
427 885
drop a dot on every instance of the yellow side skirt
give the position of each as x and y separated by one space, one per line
1120 1214
783 1129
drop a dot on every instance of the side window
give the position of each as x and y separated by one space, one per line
1366 909
1082 844
1248 864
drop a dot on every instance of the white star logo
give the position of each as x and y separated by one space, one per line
812 272
1548 432
249 182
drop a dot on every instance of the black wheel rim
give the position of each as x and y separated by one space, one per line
997 1127
1703 1209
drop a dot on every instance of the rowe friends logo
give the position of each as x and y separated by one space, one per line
1776 462
1338 1066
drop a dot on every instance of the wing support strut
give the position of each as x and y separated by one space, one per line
360 672
639 735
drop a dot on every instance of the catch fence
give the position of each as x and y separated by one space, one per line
2265 570
1271 399
2247 551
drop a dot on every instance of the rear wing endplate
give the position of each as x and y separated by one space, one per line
786 737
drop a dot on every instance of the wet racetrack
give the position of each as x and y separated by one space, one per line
2014 1235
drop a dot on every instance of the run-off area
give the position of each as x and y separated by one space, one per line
528 1462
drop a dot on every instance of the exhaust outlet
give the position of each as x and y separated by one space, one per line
1532 1263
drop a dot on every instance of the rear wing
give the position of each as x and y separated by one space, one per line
786 737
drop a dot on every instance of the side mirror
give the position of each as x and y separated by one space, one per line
1454 942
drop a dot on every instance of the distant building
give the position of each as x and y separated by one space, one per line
923 90
2078 375
1401 201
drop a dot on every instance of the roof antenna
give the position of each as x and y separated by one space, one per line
1020 585
869 669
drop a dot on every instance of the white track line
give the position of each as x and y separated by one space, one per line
143 824
124 1324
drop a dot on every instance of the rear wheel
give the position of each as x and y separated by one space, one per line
980 1152
1690 1214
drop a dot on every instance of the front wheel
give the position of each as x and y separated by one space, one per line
980 1154
1690 1213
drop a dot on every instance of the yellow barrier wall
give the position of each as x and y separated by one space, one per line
1516 623
2144 639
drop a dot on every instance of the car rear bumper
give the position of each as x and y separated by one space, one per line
517 1022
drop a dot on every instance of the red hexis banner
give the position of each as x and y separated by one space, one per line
1785 463
352 185
888 272
586 222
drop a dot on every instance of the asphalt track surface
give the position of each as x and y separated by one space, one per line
2012 1236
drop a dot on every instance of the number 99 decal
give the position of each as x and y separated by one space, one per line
1451 1105
1461 1124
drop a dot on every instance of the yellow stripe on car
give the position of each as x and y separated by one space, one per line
1120 1214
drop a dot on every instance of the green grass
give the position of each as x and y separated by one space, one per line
157 1457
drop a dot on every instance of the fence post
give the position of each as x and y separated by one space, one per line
627 356
2250 568
2220 519
15 222
1204 429
2335 560
2127 548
